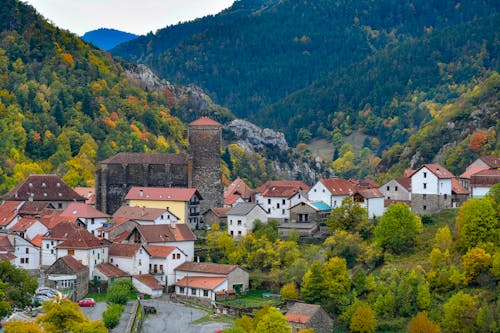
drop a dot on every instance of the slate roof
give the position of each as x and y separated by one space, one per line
159 251
149 281
141 213
43 188
123 250
200 282
111 271
162 193
492 161
83 210
75 265
147 158
243 208
338 186
205 121
162 233
8 211
206 267
301 312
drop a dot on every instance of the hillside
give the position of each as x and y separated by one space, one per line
106 39
257 57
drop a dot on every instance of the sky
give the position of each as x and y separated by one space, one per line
135 16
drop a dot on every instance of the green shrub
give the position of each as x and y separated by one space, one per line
111 316
118 292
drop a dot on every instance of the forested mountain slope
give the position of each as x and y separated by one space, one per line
106 39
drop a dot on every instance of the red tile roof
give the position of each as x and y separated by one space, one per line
5 245
200 282
88 193
73 264
280 191
206 267
51 221
405 182
37 240
438 170
220 212
205 121
282 183
301 312
338 186
238 187
43 188
408 172
34 207
111 271
492 161
123 250
231 199
73 237
297 318
162 233
141 213
456 188
8 211
472 170
162 193
485 178
24 223
121 236
158 251
370 193
83 210
149 281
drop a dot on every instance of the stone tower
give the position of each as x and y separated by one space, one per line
205 139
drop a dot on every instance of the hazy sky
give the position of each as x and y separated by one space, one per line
136 16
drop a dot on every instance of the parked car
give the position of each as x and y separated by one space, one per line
86 302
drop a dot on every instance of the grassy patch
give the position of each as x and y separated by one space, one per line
97 297
252 299
215 318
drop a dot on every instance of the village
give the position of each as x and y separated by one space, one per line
80 239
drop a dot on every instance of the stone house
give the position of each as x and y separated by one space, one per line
241 218
68 274
87 216
431 187
303 316
216 215
305 217
331 191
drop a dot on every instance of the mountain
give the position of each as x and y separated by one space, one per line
106 39
273 61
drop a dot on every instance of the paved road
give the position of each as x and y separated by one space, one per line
177 318
95 312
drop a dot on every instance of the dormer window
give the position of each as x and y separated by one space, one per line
58 184
43 184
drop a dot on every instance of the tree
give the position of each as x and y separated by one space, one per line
397 229
273 321
363 319
349 216
118 292
476 222
422 324
443 240
313 284
16 287
289 291
475 261
21 326
460 314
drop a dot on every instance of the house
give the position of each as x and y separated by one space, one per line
212 278
148 285
238 191
70 275
397 190
116 229
147 216
19 251
130 258
162 262
489 162
431 187
44 188
86 215
216 215
241 218
9 213
275 197
305 217
179 235
29 228
482 181
6 249
184 203
459 194
303 316
372 200
88 193
109 273
331 191
36 209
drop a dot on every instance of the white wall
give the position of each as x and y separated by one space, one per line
433 185
88 257
135 265
479 192
49 253
142 288
246 223
29 260
199 291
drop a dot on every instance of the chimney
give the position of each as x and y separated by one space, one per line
141 193
143 212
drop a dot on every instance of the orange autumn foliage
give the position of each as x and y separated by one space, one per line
477 141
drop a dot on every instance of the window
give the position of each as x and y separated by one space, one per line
445 197
22 260
92 221
424 196
230 222
71 251
27 260
59 205
193 291
425 207
178 255
283 201
140 263
268 201
161 267
395 188
181 290
205 292
51 242
47 245
283 212
140 251
111 260
239 222
232 233
27 250
239 232
425 174
52 251
173 255
278 205
314 190
425 185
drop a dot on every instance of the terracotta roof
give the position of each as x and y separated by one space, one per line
408 172
83 210
301 312
472 170
200 282
34 207
43 188
116 221
280 191
159 251
73 237
370 183
438 170
162 193
147 158
111 271
7 256
62 231
456 188
141 213
37 240
492 161
220 212
405 182
24 223
370 193
238 187
123 250
161 233
205 121
121 236
485 178
338 186
8 211
88 193
206 267
286 183
5 245
231 199
73 264
149 281
51 221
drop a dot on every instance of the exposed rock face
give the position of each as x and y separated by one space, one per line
254 138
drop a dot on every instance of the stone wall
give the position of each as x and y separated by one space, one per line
422 204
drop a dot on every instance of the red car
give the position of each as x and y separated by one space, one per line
86 302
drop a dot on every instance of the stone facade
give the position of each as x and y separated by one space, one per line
200 169
69 268
422 204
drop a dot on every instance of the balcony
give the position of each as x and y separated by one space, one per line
156 272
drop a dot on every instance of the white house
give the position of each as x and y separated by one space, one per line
238 191
148 285
331 191
482 181
130 258
162 262
19 251
87 216
241 218
29 228
372 200
55 236
147 216
204 287
431 187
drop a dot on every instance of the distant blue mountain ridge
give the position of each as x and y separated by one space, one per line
106 39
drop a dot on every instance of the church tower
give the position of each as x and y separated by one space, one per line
205 139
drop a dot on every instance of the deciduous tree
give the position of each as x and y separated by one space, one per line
422 324
477 222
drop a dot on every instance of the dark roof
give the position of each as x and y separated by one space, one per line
492 161
243 208
370 193
485 178
5 245
73 237
147 158
205 267
75 265
43 188
161 233
220 212
111 271
34 207
123 250
205 121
